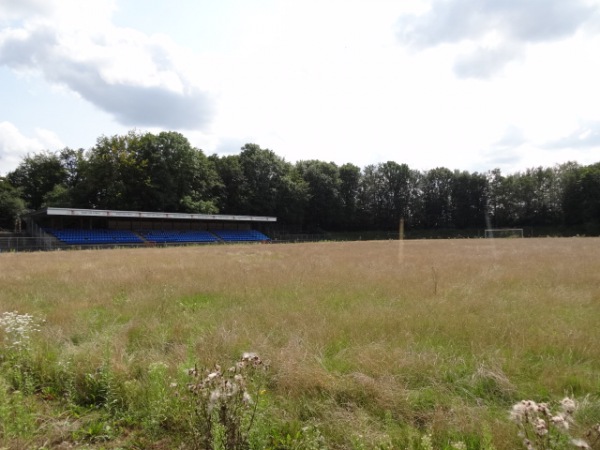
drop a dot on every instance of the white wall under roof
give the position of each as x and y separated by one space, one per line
154 215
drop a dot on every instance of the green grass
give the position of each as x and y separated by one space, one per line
373 343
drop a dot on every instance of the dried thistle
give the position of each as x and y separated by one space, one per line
223 406
541 429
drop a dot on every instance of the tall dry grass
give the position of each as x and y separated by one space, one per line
363 337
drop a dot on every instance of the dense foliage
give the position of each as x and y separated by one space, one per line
143 171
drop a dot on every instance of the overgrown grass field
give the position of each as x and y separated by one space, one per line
386 344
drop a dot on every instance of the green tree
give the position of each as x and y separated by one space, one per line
437 187
349 188
581 196
535 197
469 199
112 177
11 204
370 202
59 196
399 192
149 172
231 193
505 203
324 199
590 205
571 193
175 176
71 161
269 185
36 176
292 200
494 199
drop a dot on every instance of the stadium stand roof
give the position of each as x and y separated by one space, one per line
74 212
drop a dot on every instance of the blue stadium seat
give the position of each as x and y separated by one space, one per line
176 236
75 236
241 235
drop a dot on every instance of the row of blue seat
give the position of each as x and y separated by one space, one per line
106 236
240 235
164 236
96 236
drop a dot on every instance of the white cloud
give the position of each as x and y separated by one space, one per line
18 9
507 152
450 21
586 135
14 145
515 23
485 62
132 76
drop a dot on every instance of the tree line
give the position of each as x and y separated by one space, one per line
163 172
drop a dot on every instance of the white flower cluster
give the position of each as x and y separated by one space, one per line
222 401
537 421
18 329
219 387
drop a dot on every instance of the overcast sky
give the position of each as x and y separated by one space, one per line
464 84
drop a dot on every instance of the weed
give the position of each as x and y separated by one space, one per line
223 408
540 428
17 418
18 329
150 399
305 438
95 431
16 358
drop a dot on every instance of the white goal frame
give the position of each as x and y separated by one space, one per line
503 232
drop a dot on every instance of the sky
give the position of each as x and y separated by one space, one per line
464 84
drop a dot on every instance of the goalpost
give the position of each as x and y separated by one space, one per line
504 232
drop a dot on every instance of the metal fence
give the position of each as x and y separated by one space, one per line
28 244
33 244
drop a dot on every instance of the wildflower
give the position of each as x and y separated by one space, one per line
214 399
544 409
541 429
528 444
18 328
517 414
251 358
426 441
521 411
226 393
580 443
560 421
568 405
248 356
531 406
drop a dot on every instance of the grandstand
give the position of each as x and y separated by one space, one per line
71 227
